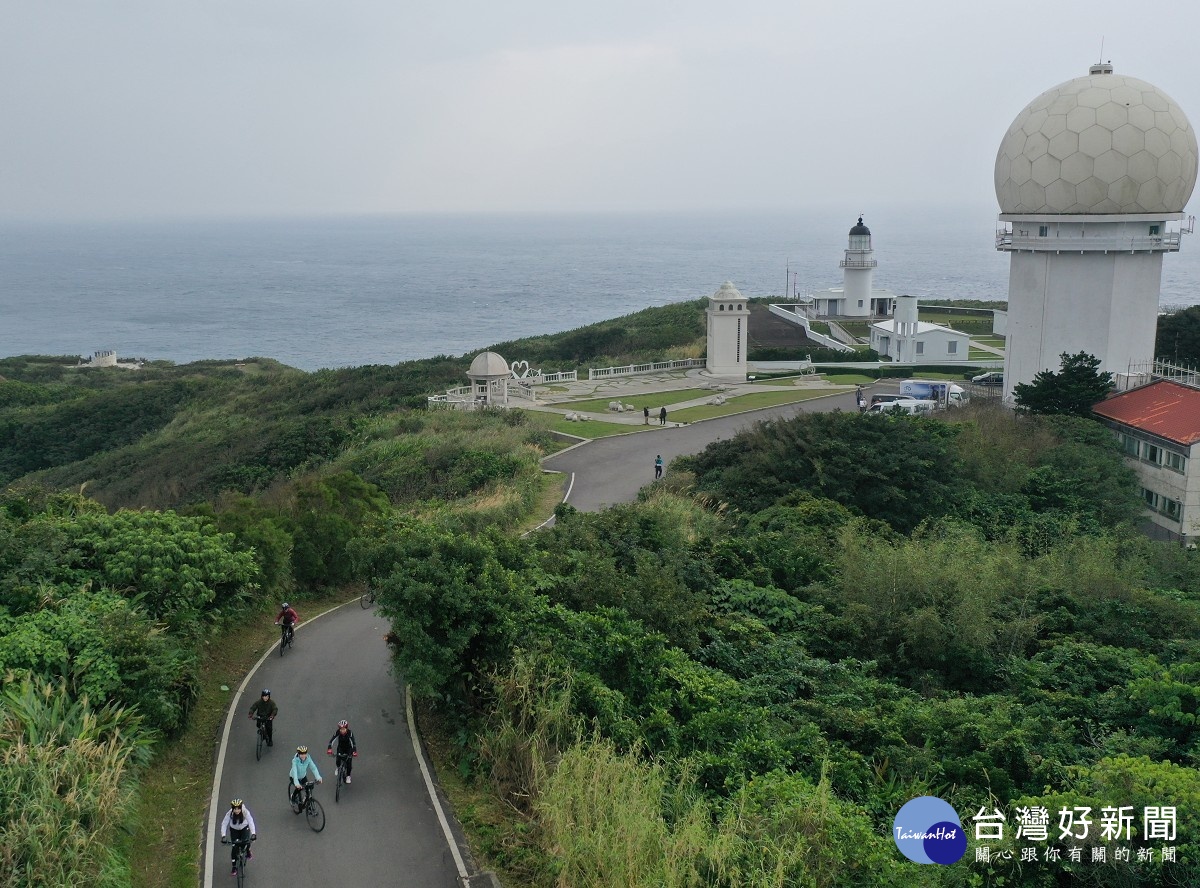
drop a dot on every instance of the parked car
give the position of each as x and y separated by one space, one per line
992 377
885 399
911 406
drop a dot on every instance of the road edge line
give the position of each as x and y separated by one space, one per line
429 787
210 846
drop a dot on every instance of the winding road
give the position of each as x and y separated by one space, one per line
391 826
386 830
612 470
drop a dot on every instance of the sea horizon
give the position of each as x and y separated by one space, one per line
336 291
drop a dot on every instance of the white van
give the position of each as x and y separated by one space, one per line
911 406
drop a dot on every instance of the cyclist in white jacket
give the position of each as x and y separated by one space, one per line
239 823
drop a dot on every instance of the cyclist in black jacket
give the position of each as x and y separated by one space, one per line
343 739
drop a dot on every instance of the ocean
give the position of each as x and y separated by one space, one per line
348 291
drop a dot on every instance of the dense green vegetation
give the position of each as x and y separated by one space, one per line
1072 391
1178 337
739 682
261 476
735 682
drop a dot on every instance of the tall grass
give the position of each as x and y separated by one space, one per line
65 787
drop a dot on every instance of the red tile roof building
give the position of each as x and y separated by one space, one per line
1158 426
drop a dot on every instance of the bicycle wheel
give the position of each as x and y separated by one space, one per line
258 746
315 814
282 642
241 867
337 789
366 600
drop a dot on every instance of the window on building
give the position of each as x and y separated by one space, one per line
1150 498
1131 445
1043 231
920 347
1154 230
952 347
1172 508
1151 453
860 303
1177 462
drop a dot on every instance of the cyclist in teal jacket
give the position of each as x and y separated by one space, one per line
302 766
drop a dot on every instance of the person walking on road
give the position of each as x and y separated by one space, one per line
662 416
302 765
264 707
861 397
646 414
658 466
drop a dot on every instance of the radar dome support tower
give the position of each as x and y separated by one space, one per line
1088 177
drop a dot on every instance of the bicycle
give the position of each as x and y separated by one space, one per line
261 724
287 633
342 760
241 847
367 599
313 812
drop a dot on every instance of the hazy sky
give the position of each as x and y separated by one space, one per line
278 107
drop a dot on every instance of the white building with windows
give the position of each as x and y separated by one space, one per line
1092 178
1158 426
903 338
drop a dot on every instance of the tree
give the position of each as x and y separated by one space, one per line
1077 386
1178 339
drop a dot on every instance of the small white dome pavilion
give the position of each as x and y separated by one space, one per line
489 374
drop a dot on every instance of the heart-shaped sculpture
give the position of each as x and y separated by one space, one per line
520 369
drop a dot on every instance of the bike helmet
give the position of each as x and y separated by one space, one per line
301 750
284 606
266 692
236 803
343 724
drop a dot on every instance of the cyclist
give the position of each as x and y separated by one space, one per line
343 738
264 708
288 617
239 823
301 766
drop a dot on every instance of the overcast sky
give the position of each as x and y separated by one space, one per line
282 107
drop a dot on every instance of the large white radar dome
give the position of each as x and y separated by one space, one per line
1098 144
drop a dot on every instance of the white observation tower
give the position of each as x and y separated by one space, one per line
728 332
1088 177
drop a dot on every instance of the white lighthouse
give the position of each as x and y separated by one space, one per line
857 297
858 271
728 333
1090 177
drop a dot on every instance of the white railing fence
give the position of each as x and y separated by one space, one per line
635 369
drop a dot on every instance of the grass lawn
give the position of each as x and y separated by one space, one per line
653 400
978 354
589 428
848 378
750 402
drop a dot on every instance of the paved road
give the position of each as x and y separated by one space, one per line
385 830
612 470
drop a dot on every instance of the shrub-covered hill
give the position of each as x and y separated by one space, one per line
168 435
739 680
